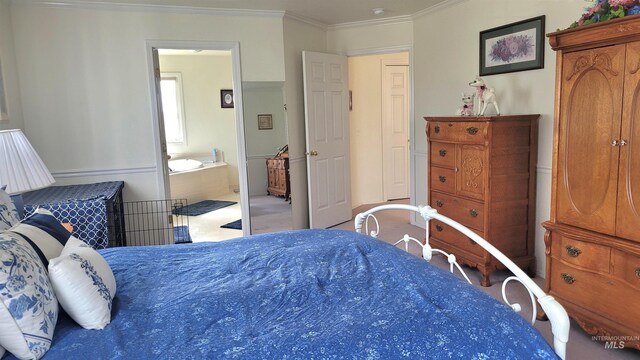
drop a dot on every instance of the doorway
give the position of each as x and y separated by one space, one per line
379 120
200 136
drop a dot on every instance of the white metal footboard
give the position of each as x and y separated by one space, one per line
552 308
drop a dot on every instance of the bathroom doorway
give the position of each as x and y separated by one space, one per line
199 113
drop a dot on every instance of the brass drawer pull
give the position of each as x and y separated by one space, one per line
568 278
473 213
638 272
439 203
439 228
443 152
573 251
436 129
442 178
472 130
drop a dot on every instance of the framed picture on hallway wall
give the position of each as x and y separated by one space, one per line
513 47
265 122
226 98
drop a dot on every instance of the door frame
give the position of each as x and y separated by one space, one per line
412 150
158 124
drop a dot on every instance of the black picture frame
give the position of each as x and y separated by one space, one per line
513 47
226 98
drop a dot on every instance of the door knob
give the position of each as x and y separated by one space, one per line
623 142
312 153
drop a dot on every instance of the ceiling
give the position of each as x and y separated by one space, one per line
327 12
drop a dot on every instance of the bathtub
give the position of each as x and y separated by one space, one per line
197 181
184 165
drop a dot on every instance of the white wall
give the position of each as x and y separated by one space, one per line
298 36
446 59
346 39
84 81
262 98
9 71
208 125
365 127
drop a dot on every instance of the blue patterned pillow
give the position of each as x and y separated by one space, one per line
28 306
8 212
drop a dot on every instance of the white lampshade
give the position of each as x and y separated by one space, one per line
21 169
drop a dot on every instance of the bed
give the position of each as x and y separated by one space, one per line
312 294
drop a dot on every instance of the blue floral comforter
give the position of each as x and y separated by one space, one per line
310 294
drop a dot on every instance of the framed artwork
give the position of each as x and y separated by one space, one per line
265 122
226 98
513 47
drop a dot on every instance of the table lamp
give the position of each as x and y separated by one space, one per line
21 169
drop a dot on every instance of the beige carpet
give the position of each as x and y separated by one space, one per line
580 347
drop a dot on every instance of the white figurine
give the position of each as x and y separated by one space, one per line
466 109
485 96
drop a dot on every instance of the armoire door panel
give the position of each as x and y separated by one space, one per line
628 221
591 103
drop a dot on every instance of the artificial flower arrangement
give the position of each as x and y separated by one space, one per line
603 10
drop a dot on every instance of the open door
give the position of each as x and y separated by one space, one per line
326 101
162 137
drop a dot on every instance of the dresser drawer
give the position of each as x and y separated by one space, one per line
467 212
626 267
603 294
443 154
443 179
451 236
458 132
581 254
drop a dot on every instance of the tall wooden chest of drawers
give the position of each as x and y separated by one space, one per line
593 236
278 177
482 173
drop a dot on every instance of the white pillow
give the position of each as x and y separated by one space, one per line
84 284
28 306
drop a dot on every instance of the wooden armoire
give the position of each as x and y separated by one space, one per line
593 236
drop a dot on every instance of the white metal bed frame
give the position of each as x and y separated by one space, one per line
552 308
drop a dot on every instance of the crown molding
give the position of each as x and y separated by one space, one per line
377 22
306 20
436 7
379 51
101 5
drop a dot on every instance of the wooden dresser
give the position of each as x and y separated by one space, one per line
482 173
278 177
593 236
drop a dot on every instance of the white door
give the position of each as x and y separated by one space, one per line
162 137
395 133
326 101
